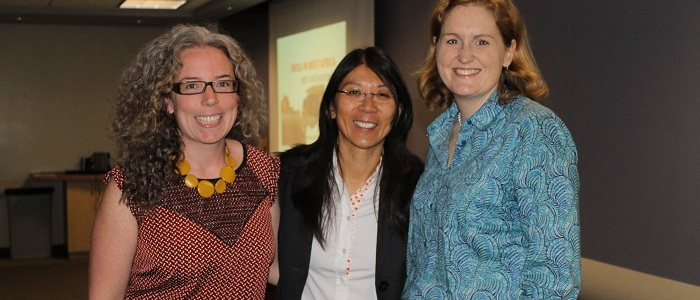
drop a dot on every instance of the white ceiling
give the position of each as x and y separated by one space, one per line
107 12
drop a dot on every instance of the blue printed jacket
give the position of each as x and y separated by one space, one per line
502 221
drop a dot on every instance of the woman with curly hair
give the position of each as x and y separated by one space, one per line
188 210
495 214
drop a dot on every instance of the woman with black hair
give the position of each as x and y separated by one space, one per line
344 198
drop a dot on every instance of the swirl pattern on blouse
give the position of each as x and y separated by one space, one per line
501 222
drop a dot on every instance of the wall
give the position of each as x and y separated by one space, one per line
56 88
401 30
250 28
287 18
623 77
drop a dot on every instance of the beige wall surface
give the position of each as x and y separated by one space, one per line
56 88
57 85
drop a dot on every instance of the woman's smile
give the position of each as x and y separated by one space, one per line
365 125
208 120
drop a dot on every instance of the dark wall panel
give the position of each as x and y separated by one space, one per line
622 75
402 31
250 28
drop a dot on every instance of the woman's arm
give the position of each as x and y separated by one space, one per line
114 237
547 188
274 275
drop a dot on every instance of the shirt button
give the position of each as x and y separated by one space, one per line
344 250
347 218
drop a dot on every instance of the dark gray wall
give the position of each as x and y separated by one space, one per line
402 31
623 76
250 28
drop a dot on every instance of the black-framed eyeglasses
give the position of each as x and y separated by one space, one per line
358 95
197 87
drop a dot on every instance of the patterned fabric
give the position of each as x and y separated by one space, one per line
216 248
502 221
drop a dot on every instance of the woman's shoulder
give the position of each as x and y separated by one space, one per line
524 111
265 167
536 120
256 156
115 174
252 150
523 108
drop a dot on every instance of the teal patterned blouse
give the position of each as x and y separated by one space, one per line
502 221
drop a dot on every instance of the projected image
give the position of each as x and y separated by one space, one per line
305 62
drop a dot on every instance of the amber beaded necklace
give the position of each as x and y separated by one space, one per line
204 187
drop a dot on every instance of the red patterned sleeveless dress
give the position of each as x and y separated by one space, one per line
216 248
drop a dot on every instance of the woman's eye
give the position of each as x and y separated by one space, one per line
482 42
354 93
191 86
223 83
384 95
452 42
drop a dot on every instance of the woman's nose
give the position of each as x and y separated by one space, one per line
465 53
367 105
210 97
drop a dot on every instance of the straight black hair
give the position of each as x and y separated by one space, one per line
313 188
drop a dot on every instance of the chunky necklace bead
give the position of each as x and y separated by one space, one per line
204 187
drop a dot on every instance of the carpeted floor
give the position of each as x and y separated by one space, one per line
49 278
55 278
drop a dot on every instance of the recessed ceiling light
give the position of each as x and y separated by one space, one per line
152 4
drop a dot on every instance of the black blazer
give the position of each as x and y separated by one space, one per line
295 240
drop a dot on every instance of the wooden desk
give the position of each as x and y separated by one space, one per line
82 195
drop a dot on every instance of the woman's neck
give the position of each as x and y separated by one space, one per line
206 159
469 106
358 165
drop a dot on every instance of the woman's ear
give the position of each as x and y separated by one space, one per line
399 108
170 105
332 110
510 52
